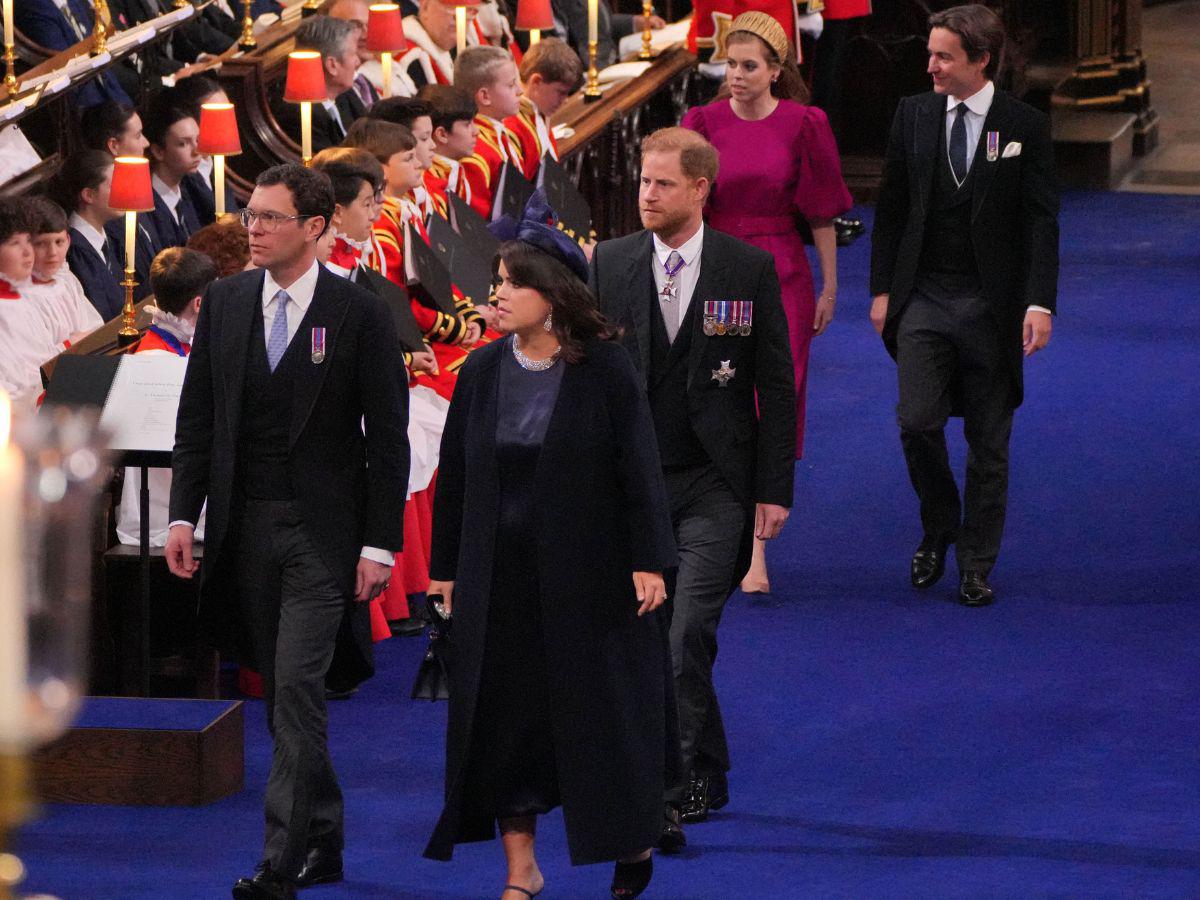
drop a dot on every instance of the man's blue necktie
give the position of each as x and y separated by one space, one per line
278 341
958 144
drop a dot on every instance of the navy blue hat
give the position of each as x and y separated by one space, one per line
538 228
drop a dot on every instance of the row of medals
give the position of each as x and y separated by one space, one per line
732 317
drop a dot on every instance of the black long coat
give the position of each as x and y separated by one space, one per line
603 514
349 484
1014 215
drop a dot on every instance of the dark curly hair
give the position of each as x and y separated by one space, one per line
576 317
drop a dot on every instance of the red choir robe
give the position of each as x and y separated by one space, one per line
496 145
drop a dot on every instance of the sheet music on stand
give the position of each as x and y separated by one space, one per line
143 401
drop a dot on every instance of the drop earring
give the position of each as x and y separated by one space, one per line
549 323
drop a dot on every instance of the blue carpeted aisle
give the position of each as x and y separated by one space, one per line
886 744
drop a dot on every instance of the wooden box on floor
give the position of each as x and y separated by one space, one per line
146 752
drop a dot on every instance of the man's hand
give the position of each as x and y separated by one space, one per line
768 520
370 579
879 312
424 362
656 22
651 591
1038 326
444 589
472 335
179 551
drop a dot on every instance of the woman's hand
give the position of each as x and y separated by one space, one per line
826 306
446 590
651 591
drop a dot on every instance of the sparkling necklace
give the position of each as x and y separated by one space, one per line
534 365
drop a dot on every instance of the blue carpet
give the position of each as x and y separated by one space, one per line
885 744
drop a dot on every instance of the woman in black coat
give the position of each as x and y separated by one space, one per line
551 531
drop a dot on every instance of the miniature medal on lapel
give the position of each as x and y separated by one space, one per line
993 146
732 317
318 345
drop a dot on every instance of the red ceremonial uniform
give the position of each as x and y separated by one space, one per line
711 21
846 9
534 137
496 145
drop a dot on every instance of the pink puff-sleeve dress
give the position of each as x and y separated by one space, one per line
773 170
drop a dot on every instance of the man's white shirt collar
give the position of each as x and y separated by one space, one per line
979 103
93 236
688 251
299 291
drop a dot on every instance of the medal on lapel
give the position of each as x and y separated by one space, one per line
993 146
722 317
710 317
318 345
747 320
724 375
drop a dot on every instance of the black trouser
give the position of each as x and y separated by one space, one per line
294 608
948 342
709 521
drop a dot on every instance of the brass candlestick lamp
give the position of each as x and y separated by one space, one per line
647 51
246 41
10 62
100 30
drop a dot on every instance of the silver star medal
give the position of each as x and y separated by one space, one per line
724 375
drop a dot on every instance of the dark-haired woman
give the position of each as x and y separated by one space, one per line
551 533
792 172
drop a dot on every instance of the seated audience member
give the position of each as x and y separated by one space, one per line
202 33
25 339
178 278
550 72
489 76
173 133
191 94
572 15
368 80
96 255
337 42
59 24
226 243
452 112
113 127
433 36
54 289
417 117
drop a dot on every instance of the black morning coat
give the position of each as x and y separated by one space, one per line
752 446
603 514
1014 214
350 486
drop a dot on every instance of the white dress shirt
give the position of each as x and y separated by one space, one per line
170 195
673 311
335 114
300 295
978 105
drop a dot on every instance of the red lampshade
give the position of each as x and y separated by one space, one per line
219 130
385 29
305 78
534 14
131 188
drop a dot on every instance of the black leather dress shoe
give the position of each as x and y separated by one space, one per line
929 562
974 590
718 791
265 885
695 804
672 839
320 867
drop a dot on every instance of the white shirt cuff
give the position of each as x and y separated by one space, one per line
1039 309
380 556
181 522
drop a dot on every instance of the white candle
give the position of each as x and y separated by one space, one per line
593 21
13 641
8 22
460 25
535 35
219 183
306 131
385 60
131 241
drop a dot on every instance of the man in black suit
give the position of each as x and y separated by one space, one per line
292 424
718 374
337 42
964 271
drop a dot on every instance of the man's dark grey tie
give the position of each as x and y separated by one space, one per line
958 144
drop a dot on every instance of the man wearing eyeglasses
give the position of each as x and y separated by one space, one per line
293 425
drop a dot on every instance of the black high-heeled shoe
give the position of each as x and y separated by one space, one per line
630 879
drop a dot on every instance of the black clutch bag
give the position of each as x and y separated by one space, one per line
433 679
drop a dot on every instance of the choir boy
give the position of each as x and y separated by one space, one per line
550 71
489 77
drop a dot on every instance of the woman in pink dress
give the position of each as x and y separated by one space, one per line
779 162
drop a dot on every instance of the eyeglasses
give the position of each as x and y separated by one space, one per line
268 221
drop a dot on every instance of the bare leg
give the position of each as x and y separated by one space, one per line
756 580
518 835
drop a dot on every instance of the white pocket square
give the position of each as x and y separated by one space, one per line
1013 149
